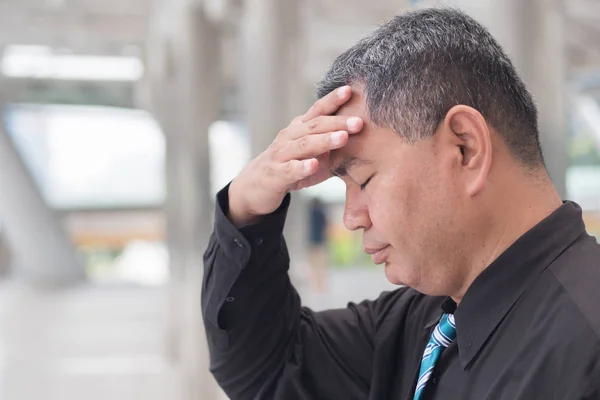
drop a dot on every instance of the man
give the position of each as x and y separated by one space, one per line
435 137
317 245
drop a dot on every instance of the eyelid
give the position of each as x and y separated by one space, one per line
364 185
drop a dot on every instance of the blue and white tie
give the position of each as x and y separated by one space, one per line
443 334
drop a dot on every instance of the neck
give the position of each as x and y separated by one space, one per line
520 205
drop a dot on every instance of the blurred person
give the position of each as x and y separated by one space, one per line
317 248
5 256
436 138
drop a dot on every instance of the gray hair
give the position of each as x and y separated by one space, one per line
420 64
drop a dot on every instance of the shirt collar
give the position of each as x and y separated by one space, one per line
495 291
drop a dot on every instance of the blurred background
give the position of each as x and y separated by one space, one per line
121 119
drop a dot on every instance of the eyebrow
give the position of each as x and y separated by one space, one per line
347 164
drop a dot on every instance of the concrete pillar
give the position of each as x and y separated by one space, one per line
263 75
200 86
545 74
5 256
42 254
273 91
186 87
298 101
532 33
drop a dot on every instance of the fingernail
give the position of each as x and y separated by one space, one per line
337 137
353 123
342 92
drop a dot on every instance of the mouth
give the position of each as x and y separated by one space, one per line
378 255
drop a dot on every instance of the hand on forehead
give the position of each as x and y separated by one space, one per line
356 106
343 159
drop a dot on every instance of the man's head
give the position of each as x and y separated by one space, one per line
420 64
439 97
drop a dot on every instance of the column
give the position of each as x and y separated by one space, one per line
186 87
42 253
273 91
546 77
200 89
263 71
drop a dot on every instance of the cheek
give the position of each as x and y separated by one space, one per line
406 209
390 208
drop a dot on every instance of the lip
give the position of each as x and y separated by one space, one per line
378 255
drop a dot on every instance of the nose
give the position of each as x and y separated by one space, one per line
356 212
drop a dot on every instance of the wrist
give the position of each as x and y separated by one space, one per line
239 213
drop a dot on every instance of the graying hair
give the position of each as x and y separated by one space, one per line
422 63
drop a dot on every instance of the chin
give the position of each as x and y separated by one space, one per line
404 275
416 277
392 275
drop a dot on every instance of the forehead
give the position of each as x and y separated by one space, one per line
359 142
356 106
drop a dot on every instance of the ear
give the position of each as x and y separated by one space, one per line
470 134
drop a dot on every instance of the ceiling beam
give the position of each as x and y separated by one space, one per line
69 28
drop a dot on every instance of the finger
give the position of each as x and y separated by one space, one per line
324 124
329 104
296 170
310 146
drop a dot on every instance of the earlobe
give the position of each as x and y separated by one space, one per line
472 136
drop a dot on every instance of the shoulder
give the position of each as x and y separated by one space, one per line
558 316
577 271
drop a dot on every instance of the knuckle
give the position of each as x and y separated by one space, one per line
303 143
275 150
320 124
316 106
313 125
289 167
284 132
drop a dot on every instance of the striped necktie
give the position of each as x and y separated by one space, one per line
443 334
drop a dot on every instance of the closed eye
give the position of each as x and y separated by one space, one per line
364 185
